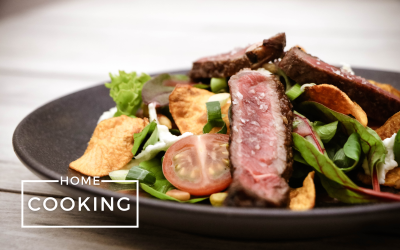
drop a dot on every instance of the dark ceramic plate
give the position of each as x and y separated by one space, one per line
48 139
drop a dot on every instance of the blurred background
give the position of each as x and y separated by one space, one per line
88 39
49 48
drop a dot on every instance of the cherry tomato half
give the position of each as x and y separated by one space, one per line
199 164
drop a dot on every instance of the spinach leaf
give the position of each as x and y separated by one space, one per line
162 185
325 131
341 160
139 138
163 196
396 147
342 193
372 146
297 157
153 138
305 129
155 90
180 77
336 182
352 150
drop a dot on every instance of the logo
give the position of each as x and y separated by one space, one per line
87 204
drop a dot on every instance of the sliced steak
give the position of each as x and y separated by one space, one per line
304 68
261 142
230 63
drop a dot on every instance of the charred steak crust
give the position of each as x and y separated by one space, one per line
286 110
240 196
230 63
379 104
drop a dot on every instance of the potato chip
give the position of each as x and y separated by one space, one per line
364 178
110 147
187 105
303 198
335 99
393 178
389 88
391 126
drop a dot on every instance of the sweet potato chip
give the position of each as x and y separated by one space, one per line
303 198
187 105
335 99
389 88
110 147
391 126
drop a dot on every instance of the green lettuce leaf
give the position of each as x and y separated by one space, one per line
371 144
162 185
126 91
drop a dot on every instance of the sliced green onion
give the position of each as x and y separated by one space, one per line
201 86
294 92
281 73
214 118
218 85
222 98
119 175
142 175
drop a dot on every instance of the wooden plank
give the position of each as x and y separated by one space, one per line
146 237
13 173
19 96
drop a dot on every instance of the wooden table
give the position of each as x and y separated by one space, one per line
51 48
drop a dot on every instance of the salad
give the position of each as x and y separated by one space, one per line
254 127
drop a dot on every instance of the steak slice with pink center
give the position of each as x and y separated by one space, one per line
261 142
379 104
228 64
